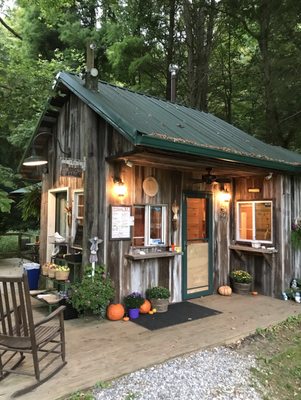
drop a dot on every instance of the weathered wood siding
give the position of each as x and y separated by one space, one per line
91 138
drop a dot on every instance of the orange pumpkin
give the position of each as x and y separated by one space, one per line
225 290
145 308
126 319
115 312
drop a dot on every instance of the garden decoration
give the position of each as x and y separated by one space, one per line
145 307
241 281
115 312
294 291
159 297
93 255
225 290
133 302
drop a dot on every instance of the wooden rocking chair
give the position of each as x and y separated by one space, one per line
20 335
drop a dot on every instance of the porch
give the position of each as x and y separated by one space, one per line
110 349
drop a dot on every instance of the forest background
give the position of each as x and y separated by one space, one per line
238 59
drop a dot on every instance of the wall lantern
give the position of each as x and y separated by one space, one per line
119 187
253 190
224 198
34 160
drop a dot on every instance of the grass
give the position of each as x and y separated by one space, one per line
9 244
278 351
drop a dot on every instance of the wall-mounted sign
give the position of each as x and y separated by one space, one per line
70 167
121 222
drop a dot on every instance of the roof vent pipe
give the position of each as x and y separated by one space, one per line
91 75
173 69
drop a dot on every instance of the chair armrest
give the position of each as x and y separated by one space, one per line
56 313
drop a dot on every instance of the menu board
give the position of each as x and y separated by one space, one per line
121 222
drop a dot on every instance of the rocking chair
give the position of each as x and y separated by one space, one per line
20 335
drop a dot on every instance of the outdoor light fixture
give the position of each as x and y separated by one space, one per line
34 160
119 187
224 197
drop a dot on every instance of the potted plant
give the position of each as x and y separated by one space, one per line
241 281
133 302
159 297
93 294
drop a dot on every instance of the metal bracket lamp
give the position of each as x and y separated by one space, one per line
119 187
35 160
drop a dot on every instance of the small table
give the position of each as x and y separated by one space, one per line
45 296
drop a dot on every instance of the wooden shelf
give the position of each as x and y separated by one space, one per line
148 256
239 247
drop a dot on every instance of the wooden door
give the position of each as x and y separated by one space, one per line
197 245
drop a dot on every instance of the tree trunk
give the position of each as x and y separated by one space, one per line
199 18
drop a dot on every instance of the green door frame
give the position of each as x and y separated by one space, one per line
209 230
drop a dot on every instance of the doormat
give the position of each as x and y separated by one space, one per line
177 313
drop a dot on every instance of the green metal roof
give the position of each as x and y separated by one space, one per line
155 123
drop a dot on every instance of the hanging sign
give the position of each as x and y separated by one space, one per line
70 167
121 222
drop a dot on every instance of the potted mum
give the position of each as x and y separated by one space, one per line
133 302
159 297
241 281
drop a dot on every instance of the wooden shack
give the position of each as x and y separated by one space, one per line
179 197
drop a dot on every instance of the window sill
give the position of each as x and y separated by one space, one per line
148 256
239 247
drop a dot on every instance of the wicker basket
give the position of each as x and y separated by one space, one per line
51 273
45 269
61 275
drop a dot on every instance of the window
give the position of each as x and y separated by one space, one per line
254 221
149 225
78 219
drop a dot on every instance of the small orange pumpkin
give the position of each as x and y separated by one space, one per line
225 290
115 312
126 319
146 306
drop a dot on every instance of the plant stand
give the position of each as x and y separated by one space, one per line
241 288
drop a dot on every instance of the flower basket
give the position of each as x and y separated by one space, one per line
45 269
61 275
51 272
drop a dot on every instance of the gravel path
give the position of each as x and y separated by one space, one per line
218 374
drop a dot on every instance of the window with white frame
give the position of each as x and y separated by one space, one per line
149 225
255 221
78 212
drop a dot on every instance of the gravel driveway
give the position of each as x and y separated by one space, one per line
217 374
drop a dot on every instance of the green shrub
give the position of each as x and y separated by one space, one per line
158 292
92 294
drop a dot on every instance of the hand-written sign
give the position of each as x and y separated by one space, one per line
72 168
121 222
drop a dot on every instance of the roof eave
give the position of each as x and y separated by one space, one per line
158 143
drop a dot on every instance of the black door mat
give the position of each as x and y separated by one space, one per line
177 313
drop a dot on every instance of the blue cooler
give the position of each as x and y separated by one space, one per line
33 274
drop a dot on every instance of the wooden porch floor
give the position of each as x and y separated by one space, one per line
103 350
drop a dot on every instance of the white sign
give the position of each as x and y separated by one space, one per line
121 222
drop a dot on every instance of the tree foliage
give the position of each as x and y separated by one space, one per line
239 59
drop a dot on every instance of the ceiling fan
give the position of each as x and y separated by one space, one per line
209 178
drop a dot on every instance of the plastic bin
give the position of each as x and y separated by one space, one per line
33 274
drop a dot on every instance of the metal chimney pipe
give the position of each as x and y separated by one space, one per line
173 69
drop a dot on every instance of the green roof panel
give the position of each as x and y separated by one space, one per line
153 122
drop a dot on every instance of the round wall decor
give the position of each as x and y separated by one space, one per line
150 186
